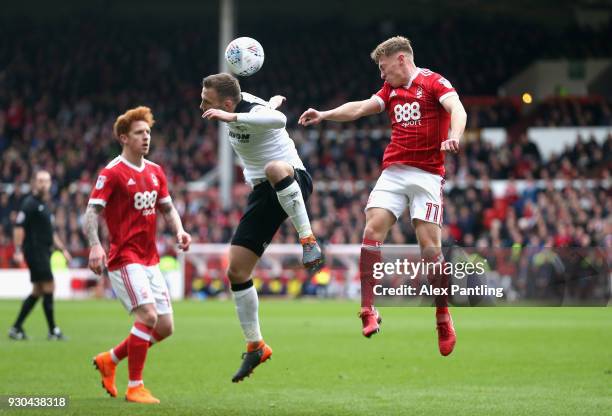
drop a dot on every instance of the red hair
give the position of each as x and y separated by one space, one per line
124 122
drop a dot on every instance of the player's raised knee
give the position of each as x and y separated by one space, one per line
169 330
277 170
166 329
375 230
236 275
148 317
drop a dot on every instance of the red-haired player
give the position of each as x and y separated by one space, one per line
128 193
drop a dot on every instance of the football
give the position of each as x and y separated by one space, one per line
244 56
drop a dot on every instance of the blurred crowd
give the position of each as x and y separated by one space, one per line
561 112
586 158
58 104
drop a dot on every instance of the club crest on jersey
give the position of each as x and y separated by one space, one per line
419 92
445 82
100 182
154 179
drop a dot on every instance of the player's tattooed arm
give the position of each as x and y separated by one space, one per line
172 218
97 256
90 222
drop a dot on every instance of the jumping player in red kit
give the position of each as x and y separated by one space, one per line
128 193
421 106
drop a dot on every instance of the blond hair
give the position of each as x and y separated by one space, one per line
391 46
124 122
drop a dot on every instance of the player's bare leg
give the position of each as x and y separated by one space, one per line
281 176
163 329
242 261
378 223
429 236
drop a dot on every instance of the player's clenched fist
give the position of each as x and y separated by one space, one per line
450 145
184 240
310 117
97 259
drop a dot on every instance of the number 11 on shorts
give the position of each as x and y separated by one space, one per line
432 207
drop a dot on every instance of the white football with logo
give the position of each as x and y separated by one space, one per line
244 56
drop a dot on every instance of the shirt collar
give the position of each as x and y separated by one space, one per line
416 73
133 166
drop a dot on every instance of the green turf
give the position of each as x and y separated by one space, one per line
508 361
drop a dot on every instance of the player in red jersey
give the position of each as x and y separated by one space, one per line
421 106
128 193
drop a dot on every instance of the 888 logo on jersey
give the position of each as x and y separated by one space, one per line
409 114
145 202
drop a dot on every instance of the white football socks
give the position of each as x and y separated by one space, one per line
247 306
292 202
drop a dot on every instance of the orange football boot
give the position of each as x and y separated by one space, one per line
106 366
140 394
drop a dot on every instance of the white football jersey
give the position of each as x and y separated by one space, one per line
259 136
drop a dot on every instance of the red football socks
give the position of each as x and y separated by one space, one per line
155 338
370 254
121 351
438 278
138 344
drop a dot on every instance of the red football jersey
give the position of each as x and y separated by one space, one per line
130 196
419 123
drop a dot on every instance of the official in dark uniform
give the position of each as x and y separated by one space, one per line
33 238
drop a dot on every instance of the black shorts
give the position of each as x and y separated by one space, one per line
40 268
264 214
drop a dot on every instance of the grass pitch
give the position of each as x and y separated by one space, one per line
508 361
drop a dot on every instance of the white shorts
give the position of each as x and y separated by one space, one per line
137 285
400 186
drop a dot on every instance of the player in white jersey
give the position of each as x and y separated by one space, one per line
280 184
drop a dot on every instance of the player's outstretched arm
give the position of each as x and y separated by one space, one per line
97 255
346 112
266 118
454 106
172 218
